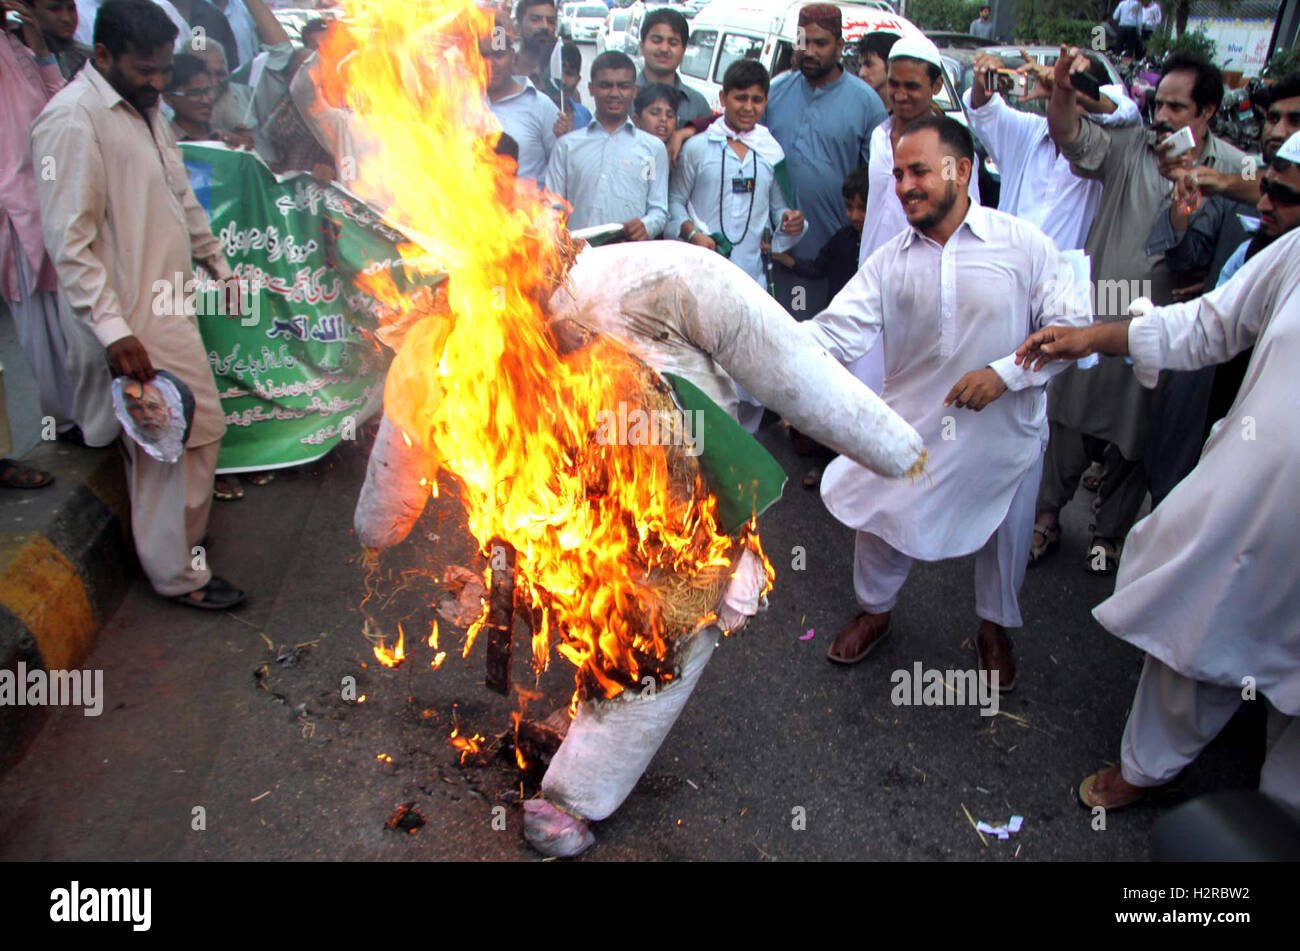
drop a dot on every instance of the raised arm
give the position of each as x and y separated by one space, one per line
1062 117
270 31
1208 330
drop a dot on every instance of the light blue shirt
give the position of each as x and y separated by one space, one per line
528 117
1234 263
826 134
611 177
704 172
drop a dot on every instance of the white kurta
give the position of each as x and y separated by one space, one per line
1037 183
1210 581
885 220
942 312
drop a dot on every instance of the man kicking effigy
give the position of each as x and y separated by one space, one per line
949 296
1208 586
690 314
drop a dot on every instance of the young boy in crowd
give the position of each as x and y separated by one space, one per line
571 61
725 191
837 261
654 110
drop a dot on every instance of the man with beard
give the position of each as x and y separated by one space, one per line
664 34
915 78
120 219
525 114
1208 586
610 171
1208 246
537 21
949 295
1106 402
823 117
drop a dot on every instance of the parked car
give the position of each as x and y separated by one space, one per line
613 32
728 30
947 40
581 22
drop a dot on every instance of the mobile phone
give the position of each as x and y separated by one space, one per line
1084 83
1012 83
1180 142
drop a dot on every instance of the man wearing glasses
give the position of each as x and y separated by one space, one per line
191 94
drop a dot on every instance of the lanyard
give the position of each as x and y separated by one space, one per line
722 183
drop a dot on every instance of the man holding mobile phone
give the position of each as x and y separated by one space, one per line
1135 169
1037 183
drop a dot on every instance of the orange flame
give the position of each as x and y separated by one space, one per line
394 657
481 381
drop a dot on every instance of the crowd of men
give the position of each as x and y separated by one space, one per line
848 195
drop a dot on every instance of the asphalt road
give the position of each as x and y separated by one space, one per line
283 767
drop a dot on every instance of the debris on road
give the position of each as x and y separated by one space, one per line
1002 832
406 819
469 594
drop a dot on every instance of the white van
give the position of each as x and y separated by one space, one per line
728 30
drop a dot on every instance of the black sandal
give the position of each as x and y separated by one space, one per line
218 595
15 475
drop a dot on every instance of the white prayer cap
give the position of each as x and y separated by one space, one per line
1290 149
917 47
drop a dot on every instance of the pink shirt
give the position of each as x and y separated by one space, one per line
25 88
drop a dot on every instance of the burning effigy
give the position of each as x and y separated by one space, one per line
584 400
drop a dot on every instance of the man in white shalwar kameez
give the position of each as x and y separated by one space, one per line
1209 586
948 297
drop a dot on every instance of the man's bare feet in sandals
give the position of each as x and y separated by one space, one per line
1047 537
1109 789
858 638
15 475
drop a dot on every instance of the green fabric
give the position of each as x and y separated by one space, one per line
724 246
782 175
304 371
741 474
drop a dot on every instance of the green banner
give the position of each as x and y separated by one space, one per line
301 368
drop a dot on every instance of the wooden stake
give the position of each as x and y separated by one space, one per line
501 616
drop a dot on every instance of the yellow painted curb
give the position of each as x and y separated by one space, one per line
41 588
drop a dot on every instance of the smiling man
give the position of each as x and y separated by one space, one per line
948 296
915 78
120 217
664 34
610 171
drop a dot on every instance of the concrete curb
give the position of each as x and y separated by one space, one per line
66 561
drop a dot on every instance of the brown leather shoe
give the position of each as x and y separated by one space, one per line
858 638
993 648
1109 789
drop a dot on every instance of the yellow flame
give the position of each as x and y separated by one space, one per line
480 378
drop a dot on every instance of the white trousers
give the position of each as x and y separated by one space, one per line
36 320
1175 717
169 514
879 569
